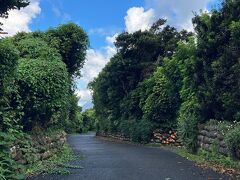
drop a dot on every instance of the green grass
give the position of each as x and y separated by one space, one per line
204 159
211 158
217 162
57 164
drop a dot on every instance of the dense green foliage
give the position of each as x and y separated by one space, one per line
73 120
48 62
37 88
8 120
160 78
57 164
167 79
44 91
161 102
233 140
134 94
71 42
8 58
88 120
217 77
33 48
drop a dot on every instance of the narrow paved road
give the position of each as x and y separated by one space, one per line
105 160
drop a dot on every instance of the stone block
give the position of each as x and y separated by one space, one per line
201 127
46 155
206 147
13 151
200 137
207 140
220 137
203 132
213 134
222 144
211 128
238 154
223 151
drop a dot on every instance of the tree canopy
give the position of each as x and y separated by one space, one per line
131 89
163 78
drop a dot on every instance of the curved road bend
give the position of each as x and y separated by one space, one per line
104 160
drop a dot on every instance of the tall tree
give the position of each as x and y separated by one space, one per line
218 65
118 92
72 43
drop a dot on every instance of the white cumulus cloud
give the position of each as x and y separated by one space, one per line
95 62
111 39
84 94
178 12
139 19
97 59
19 20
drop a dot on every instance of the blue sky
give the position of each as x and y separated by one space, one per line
103 20
97 17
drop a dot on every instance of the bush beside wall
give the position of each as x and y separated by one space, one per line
38 147
222 137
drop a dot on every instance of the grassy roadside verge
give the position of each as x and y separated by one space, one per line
57 164
203 159
214 161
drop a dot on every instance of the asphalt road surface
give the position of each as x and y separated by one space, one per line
104 160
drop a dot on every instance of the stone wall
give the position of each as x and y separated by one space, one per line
121 137
158 137
39 147
209 137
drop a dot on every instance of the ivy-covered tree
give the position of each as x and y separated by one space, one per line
44 91
9 169
64 46
161 104
36 87
71 42
8 66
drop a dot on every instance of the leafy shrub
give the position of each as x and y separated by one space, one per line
139 131
142 132
44 90
9 169
33 48
103 125
8 63
72 121
188 124
233 141
36 88
126 127
224 127
89 119
160 105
